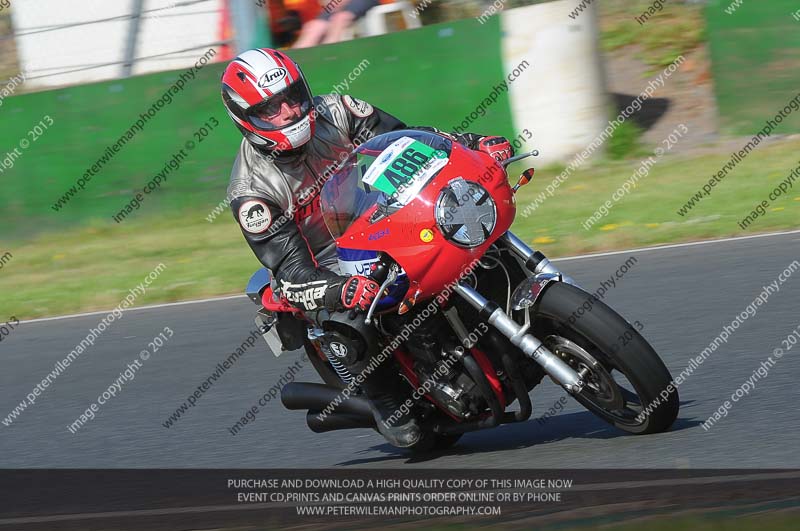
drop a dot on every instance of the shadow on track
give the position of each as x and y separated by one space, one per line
581 425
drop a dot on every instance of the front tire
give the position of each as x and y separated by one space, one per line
614 355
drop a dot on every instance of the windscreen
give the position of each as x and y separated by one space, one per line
384 174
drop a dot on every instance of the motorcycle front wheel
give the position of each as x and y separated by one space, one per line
626 383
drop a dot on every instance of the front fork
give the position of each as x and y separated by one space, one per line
537 263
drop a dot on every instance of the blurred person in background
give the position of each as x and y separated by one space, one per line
334 20
287 18
292 143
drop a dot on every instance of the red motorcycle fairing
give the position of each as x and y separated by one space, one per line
412 237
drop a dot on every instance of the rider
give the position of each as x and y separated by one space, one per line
292 143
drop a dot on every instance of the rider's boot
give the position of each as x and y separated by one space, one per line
382 386
398 425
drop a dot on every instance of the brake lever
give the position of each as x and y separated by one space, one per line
390 278
515 158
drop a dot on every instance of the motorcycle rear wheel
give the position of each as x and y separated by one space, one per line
628 384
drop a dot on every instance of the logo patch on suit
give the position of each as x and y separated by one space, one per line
306 294
360 108
254 216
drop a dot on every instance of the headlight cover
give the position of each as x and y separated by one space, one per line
466 213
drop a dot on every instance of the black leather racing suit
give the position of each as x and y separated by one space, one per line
275 199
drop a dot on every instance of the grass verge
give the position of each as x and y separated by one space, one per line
94 267
648 214
626 22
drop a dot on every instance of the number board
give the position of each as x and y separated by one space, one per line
403 168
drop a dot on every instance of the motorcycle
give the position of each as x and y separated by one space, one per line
467 314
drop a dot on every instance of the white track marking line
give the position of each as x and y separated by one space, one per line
150 307
563 259
674 246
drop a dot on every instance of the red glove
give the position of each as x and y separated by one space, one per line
358 292
497 146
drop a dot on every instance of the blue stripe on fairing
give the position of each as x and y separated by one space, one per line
356 255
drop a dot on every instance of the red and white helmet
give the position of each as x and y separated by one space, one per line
268 99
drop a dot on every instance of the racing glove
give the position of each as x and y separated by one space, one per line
497 146
354 293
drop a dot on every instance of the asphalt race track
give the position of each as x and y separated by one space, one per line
683 295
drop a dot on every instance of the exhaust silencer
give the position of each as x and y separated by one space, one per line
337 421
317 397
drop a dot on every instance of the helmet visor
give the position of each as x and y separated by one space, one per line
284 109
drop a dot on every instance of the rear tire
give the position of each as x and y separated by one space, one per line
617 346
